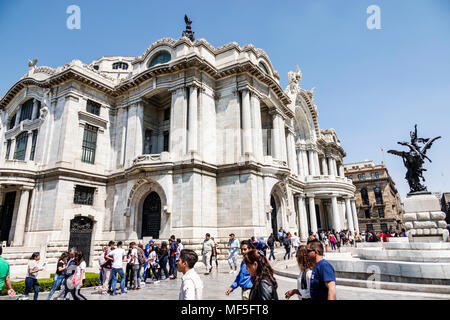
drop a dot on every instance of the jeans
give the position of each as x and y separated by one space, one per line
77 294
295 251
106 279
271 253
232 259
136 278
128 274
288 252
31 283
101 276
163 267
57 281
173 266
150 268
119 271
206 258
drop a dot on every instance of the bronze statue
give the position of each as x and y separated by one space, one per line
188 32
414 159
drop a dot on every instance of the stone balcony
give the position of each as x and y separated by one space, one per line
19 165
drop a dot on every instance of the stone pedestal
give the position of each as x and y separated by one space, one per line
424 220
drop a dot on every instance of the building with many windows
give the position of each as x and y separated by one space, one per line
377 200
185 139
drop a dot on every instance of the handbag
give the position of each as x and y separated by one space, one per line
76 280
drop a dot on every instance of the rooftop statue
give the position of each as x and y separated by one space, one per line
414 159
188 32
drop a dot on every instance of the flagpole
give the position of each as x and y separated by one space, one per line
382 152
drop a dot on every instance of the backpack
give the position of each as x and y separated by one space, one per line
304 285
287 242
270 242
141 255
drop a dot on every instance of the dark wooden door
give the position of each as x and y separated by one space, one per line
6 215
151 216
81 235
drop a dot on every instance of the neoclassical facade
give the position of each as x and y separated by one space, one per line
184 139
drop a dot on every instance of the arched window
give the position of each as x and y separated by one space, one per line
378 195
364 196
263 67
26 111
161 57
120 65
21 146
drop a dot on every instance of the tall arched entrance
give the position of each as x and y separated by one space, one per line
81 235
151 216
273 204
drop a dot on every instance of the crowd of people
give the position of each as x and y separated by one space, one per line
255 275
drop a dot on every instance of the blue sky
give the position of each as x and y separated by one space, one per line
372 86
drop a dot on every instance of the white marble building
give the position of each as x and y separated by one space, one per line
184 139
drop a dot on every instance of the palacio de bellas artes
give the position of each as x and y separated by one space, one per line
184 139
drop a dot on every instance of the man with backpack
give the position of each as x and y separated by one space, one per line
141 258
287 247
271 245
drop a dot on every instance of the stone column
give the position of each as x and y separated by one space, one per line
276 137
324 166
303 222
35 107
29 143
330 166
12 150
21 217
335 213
355 216
193 108
312 214
341 170
349 214
312 167
19 111
139 147
257 128
283 139
291 154
300 163
333 161
316 163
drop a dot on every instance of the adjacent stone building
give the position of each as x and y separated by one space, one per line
377 200
185 139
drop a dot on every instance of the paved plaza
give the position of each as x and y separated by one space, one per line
217 282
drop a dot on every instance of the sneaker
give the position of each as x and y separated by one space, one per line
125 292
22 297
157 281
231 271
105 293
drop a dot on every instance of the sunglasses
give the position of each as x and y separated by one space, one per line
310 250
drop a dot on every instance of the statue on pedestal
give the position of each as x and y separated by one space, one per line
188 32
414 159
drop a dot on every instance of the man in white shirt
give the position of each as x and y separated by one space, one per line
208 246
295 242
134 260
191 285
117 267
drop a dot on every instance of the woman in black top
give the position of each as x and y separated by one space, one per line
59 275
163 256
264 284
